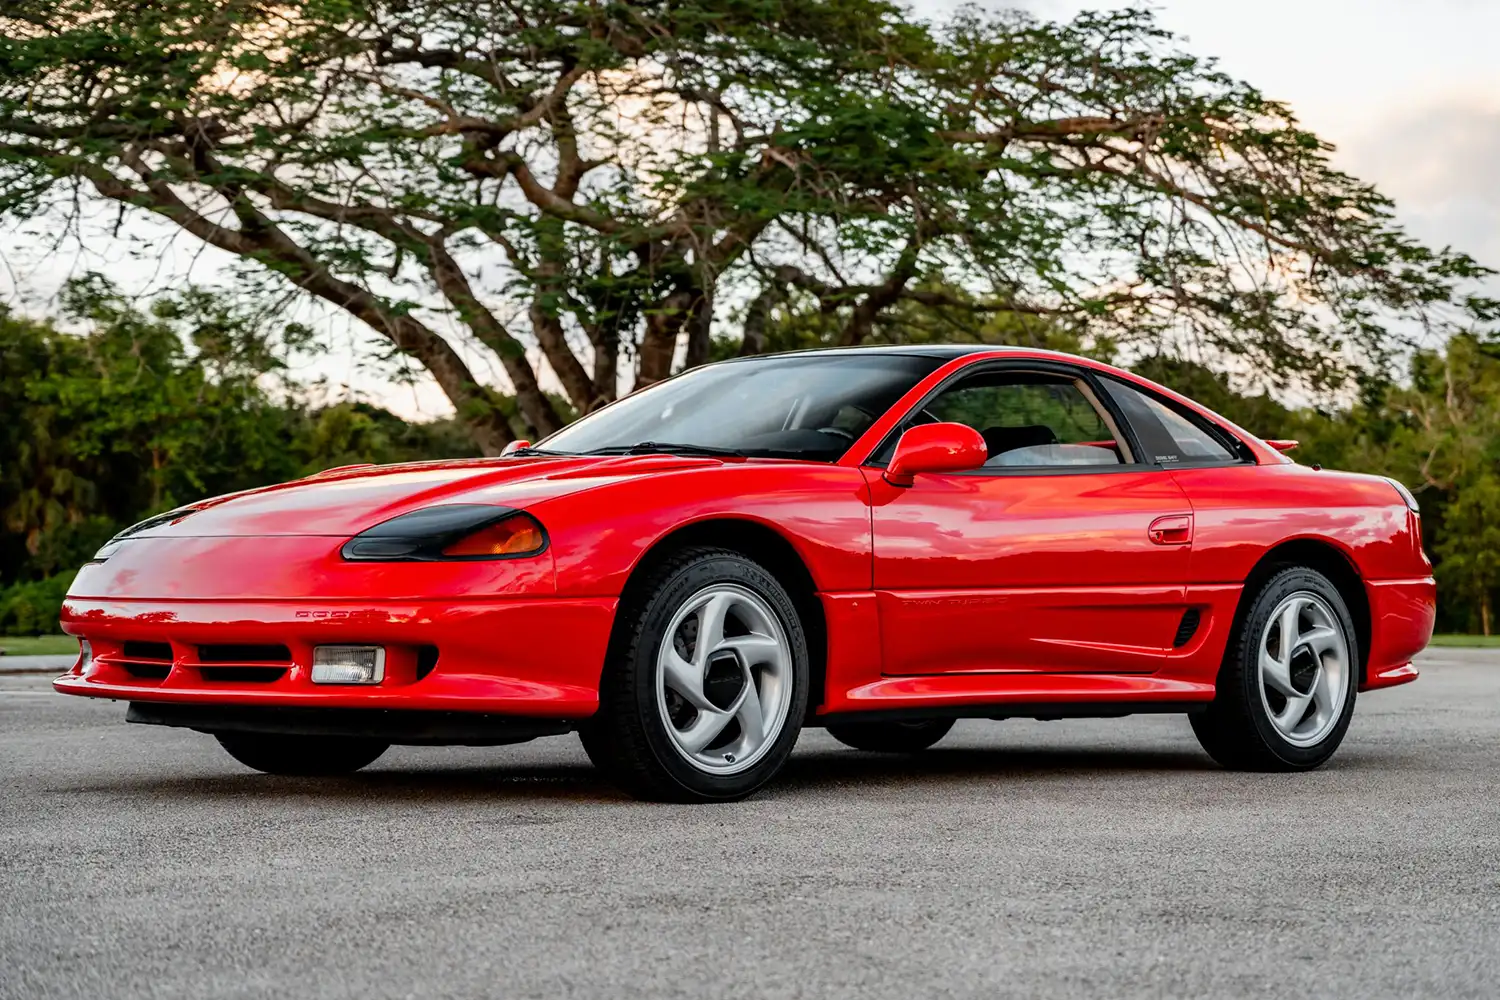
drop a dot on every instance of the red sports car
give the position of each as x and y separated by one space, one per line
876 541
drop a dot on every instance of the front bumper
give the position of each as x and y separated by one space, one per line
1402 613
534 657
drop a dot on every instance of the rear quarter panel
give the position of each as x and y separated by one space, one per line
1242 512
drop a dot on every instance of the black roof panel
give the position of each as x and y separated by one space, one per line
945 351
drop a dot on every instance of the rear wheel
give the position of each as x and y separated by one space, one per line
1286 691
706 685
891 737
301 755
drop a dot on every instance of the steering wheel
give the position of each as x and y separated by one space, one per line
838 431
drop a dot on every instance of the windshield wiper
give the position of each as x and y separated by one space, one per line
532 450
665 448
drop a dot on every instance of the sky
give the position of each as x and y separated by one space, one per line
1408 90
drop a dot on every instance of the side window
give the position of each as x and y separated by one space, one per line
1169 437
1031 420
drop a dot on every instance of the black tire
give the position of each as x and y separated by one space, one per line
275 753
891 737
1236 728
627 739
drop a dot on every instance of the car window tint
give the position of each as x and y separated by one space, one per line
1029 419
1169 437
810 406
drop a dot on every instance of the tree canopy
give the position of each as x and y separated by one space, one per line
594 191
144 411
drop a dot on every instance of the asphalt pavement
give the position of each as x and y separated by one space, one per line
1103 858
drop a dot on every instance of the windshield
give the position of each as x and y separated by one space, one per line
800 406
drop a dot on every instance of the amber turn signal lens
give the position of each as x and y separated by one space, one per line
514 536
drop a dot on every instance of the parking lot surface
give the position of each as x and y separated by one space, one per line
1082 858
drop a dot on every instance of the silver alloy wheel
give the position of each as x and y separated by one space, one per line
724 679
1304 669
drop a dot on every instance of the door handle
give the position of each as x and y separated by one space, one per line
1173 529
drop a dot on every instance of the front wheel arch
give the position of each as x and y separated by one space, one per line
635 736
763 544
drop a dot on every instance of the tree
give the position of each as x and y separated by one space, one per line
1469 551
142 412
1449 446
605 182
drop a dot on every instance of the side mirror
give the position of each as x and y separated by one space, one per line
935 448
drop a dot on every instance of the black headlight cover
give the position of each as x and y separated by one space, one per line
422 535
112 546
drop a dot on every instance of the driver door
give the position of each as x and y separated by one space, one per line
1064 553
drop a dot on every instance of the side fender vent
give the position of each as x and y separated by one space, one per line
1187 628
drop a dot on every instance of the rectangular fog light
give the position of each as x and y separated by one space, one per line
348 664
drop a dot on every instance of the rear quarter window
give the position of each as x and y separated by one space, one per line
1169 436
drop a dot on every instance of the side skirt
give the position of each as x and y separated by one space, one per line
1043 711
1025 694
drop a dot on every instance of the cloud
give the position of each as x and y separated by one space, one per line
1441 164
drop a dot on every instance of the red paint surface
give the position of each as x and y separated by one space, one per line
1031 573
961 589
935 448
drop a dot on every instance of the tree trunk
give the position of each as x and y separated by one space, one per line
545 324
659 343
1484 612
606 342
699 328
757 315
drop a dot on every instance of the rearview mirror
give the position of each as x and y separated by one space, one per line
935 448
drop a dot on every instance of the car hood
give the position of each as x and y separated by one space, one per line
348 500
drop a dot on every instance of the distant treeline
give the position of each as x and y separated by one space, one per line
142 411
145 411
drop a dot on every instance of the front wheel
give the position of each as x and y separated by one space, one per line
706 684
1286 691
891 737
275 753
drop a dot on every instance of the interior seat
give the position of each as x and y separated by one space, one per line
999 440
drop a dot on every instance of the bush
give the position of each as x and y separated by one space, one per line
32 607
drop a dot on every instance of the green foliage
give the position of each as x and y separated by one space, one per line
1461 641
149 410
356 433
1469 549
604 181
31 607
129 418
39 645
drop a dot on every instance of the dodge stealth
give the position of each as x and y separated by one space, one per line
875 541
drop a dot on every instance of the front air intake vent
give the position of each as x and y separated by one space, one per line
147 651
243 675
244 653
1187 628
146 661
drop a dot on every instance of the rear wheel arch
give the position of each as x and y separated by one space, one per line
763 544
1328 559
